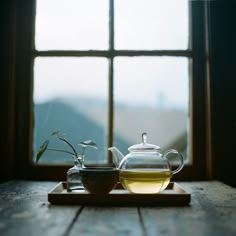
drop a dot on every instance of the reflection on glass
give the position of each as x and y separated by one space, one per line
71 97
151 24
151 95
71 25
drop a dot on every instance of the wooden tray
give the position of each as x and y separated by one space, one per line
173 195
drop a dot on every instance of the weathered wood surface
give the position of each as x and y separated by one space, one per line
212 212
108 221
24 210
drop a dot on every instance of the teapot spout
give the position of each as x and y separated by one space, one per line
117 156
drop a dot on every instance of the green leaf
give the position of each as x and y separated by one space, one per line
88 143
41 150
55 132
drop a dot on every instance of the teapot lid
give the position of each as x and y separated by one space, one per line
144 146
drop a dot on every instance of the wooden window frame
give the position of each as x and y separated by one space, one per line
24 115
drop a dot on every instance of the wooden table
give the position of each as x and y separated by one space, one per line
24 210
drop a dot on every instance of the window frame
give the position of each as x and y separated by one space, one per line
24 120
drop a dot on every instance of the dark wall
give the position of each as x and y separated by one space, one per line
7 88
222 48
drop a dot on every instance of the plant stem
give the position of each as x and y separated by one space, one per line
83 150
71 153
61 138
59 150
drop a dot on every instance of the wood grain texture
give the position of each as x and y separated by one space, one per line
108 221
25 211
212 212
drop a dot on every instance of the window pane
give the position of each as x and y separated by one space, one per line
151 24
70 95
71 25
151 95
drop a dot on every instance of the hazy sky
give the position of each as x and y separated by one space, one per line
83 25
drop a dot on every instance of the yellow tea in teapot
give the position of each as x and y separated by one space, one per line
145 180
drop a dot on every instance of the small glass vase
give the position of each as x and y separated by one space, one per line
73 175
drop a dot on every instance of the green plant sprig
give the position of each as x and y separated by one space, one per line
84 145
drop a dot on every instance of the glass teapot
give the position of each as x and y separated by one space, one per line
145 169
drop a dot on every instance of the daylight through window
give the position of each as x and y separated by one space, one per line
110 70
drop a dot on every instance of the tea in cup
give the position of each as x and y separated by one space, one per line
99 180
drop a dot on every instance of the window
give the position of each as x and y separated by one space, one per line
125 62
124 76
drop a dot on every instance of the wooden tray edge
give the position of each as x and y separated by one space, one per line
180 199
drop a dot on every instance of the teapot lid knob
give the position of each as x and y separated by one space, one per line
144 146
144 138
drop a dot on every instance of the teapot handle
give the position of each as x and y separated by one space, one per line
180 156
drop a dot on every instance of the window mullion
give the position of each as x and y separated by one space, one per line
112 53
111 25
111 74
